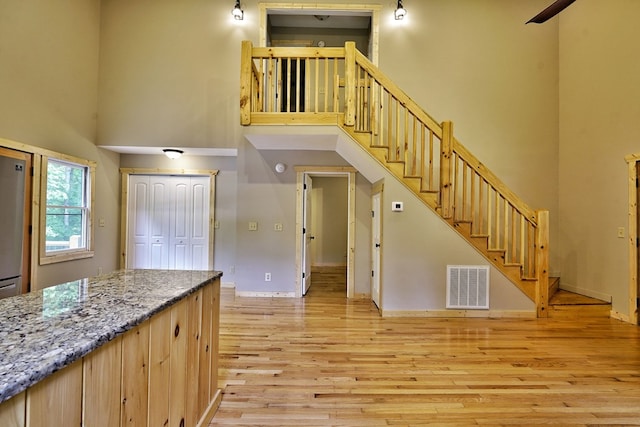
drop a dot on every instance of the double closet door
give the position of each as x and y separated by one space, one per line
168 222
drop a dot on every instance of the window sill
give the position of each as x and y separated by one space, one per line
68 256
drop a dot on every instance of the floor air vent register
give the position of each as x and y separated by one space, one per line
468 286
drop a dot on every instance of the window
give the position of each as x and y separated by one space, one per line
66 218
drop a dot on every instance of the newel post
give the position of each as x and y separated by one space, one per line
246 62
446 157
542 262
350 83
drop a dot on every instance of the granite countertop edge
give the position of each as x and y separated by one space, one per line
57 359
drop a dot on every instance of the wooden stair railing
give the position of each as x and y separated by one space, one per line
422 153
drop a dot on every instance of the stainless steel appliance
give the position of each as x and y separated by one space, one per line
12 182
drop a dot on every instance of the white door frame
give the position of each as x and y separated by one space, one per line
339 171
125 173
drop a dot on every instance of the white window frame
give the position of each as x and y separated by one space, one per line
50 257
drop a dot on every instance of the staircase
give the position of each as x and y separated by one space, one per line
341 87
568 305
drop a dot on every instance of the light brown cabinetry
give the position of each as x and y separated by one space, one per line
163 372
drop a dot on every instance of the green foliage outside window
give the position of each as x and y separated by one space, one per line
66 209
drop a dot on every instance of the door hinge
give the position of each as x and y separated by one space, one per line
372 274
303 275
31 171
304 230
373 214
30 229
637 242
304 186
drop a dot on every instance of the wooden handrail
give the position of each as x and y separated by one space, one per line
341 86
402 97
494 181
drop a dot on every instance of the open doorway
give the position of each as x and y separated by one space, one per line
324 25
325 215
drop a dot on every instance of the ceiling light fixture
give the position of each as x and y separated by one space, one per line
237 12
172 153
280 167
400 11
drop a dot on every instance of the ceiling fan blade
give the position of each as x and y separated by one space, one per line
551 11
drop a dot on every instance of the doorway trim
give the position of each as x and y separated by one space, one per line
632 163
328 171
125 174
264 9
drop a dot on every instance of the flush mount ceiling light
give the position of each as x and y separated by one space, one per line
400 11
237 12
280 167
172 153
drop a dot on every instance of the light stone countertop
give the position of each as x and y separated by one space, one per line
43 331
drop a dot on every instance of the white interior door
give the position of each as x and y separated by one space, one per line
376 223
169 222
306 234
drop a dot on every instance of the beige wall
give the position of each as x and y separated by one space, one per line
599 111
48 85
550 108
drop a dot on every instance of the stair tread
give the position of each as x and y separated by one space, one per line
563 297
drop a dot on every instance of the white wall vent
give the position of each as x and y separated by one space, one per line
468 286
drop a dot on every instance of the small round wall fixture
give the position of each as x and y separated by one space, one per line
172 153
280 167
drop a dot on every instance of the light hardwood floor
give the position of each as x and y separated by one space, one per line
326 361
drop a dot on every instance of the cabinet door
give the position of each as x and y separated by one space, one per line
12 411
193 357
178 387
135 376
57 400
101 370
160 337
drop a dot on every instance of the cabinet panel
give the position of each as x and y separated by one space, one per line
205 379
177 399
215 334
101 388
12 411
193 356
135 376
159 368
57 400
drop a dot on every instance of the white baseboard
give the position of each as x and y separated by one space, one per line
228 285
479 314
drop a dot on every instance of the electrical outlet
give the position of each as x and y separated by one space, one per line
621 232
267 277
277 226
253 226
216 224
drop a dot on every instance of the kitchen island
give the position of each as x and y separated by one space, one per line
135 347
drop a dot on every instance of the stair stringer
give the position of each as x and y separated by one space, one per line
513 271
